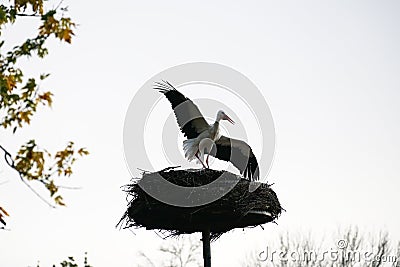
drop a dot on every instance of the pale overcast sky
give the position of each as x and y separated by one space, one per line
329 71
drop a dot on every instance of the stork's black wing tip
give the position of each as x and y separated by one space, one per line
163 87
252 172
256 174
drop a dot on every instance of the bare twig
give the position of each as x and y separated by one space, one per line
143 255
59 4
4 182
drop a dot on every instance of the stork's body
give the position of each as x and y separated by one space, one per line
202 144
204 138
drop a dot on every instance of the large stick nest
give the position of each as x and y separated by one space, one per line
236 209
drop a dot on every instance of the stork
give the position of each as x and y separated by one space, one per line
204 138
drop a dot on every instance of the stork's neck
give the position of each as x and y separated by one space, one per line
215 126
216 123
214 129
218 119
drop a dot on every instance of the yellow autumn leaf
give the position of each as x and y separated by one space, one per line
25 116
11 82
46 97
83 151
59 200
4 211
2 214
52 188
68 171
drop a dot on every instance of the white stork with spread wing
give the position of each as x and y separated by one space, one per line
203 138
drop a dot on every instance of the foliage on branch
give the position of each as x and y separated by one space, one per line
71 262
21 96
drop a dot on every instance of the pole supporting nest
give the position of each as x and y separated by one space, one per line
206 247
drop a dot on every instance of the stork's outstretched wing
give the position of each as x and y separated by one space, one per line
240 154
188 115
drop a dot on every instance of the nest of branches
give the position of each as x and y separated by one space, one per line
230 202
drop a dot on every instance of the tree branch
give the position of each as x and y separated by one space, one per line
27 15
10 162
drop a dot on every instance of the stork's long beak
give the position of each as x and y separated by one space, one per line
226 117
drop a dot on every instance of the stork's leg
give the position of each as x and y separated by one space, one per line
197 156
208 166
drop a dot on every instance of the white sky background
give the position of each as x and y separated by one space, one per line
328 70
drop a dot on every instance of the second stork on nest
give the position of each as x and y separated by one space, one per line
204 138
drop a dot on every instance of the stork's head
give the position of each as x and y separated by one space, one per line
222 116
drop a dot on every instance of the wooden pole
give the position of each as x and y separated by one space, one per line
206 248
